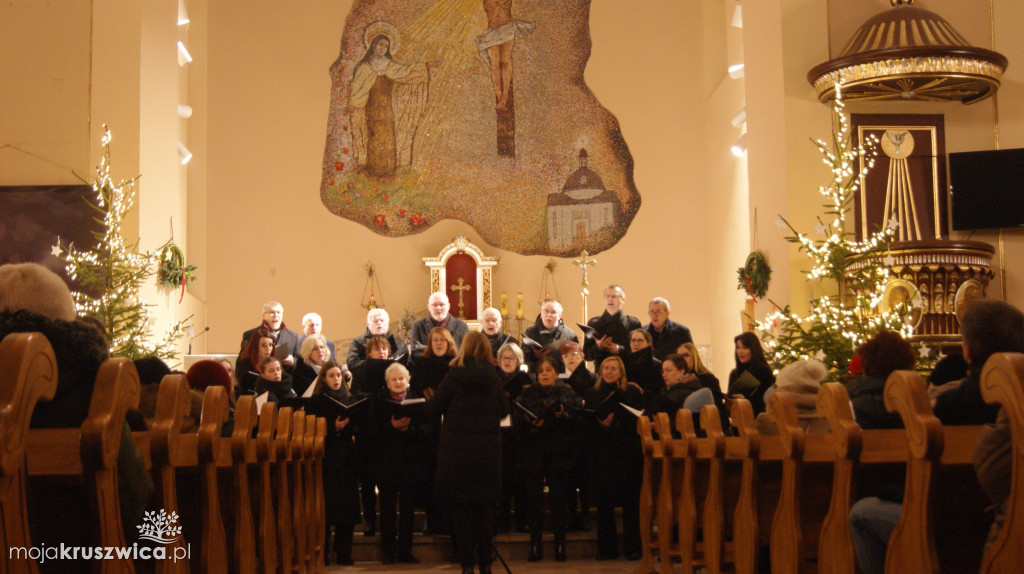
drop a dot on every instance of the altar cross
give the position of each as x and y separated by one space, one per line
585 262
461 287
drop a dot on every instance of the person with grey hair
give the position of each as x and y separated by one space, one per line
490 321
611 328
666 334
378 324
273 321
438 306
313 324
549 332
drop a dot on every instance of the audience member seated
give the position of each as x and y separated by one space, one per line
641 366
205 374
273 321
576 375
707 379
666 334
880 355
151 371
429 369
680 383
752 375
549 332
33 298
275 383
988 326
948 373
490 321
378 324
612 327
439 307
260 346
801 380
313 354
313 324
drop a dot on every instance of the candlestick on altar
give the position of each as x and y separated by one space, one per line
585 262
519 306
504 312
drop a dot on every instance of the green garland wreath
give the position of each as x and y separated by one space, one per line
755 275
173 273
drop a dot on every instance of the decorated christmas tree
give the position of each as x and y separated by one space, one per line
113 270
851 274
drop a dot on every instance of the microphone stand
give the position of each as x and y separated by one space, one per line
201 333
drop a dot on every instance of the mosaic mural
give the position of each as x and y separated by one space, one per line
476 111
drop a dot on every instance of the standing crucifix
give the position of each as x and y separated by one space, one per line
461 287
585 262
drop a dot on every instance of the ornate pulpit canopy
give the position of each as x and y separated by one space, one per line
463 272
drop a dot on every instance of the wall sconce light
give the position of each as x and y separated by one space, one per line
735 70
737 15
183 154
740 147
738 120
183 56
182 13
185 111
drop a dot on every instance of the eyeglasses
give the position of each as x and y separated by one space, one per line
638 340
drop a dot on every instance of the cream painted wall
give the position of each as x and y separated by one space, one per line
259 86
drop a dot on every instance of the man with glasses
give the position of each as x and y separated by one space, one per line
666 334
438 306
611 336
377 324
549 332
273 321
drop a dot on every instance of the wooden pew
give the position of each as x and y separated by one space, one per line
266 456
244 558
835 545
214 558
89 454
319 505
283 446
28 374
650 485
300 556
1002 381
165 455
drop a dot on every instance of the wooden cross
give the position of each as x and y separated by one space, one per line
461 287
585 262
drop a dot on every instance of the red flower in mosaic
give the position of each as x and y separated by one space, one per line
380 220
344 128
330 181
339 166
350 185
386 198
402 212
416 220
348 201
344 150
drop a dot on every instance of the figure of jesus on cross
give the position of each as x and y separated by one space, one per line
585 262
495 45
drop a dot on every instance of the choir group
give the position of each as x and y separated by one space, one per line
568 428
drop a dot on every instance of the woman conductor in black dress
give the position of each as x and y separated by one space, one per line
472 399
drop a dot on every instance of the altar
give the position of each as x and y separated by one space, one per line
464 273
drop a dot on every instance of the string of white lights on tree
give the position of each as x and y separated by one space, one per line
853 273
114 269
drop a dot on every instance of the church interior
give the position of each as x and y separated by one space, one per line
712 98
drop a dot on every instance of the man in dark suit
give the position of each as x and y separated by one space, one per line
378 324
666 334
438 305
612 328
273 321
